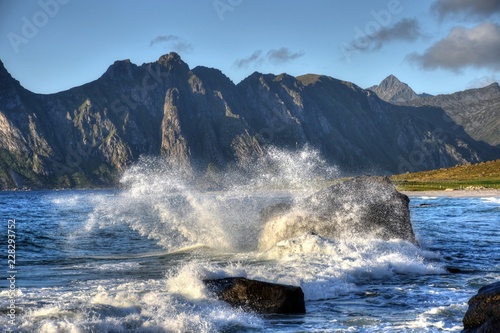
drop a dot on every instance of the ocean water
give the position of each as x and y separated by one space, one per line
133 260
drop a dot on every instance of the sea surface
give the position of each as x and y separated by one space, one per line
133 260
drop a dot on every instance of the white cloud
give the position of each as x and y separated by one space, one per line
483 81
477 47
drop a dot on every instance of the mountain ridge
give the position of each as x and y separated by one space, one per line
476 109
200 120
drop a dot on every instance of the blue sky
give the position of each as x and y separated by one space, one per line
436 46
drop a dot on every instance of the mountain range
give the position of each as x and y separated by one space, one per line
477 110
199 120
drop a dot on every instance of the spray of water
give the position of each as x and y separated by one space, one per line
178 212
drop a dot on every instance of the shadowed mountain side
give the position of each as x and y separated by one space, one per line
199 120
477 110
353 128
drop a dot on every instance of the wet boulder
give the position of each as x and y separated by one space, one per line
483 315
359 207
258 296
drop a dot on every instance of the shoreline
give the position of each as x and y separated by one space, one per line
483 193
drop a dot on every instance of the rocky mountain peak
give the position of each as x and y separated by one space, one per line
5 78
492 89
2 69
308 79
9 89
391 89
173 61
120 69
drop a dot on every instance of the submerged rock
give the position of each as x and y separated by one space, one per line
359 207
483 314
259 296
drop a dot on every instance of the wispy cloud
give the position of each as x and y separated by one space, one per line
276 56
477 47
254 59
174 42
404 30
483 81
466 8
283 54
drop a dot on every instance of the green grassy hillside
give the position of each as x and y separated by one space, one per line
471 176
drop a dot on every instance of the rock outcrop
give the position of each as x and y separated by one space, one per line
259 296
360 207
483 315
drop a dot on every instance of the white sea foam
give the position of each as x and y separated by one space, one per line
105 267
165 205
424 197
428 321
327 268
134 306
69 200
493 200
169 207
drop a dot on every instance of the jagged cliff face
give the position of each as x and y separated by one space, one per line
199 120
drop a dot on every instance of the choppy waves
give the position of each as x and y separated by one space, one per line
134 260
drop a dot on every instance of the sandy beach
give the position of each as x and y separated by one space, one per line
483 193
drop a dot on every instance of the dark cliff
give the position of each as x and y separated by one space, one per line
198 119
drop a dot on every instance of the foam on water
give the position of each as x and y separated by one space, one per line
171 207
429 320
167 206
208 235
135 306
326 268
493 200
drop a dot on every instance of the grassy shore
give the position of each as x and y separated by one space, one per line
484 175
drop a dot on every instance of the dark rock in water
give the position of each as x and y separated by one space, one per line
483 314
454 270
258 296
366 207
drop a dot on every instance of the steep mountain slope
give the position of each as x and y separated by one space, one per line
87 135
199 120
352 127
477 110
